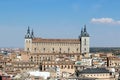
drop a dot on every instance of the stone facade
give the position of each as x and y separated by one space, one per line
40 45
113 61
60 54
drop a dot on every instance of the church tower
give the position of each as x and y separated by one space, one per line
28 40
84 39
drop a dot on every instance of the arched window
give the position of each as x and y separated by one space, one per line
85 49
71 66
44 67
68 67
77 50
27 49
85 42
60 50
65 66
62 67
53 50
35 49
31 58
44 50
68 50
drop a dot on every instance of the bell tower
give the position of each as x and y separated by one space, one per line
28 40
85 40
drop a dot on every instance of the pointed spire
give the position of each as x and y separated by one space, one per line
84 32
32 34
85 28
28 31
81 30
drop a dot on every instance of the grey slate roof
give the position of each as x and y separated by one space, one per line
94 70
84 32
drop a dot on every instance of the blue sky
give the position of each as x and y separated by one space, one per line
60 19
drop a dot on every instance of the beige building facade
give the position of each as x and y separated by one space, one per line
52 53
41 45
113 61
97 74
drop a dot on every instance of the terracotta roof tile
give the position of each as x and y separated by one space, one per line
56 40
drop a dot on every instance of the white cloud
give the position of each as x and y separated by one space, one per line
105 20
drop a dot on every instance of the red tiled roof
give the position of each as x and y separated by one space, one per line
56 40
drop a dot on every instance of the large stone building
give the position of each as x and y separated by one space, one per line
56 53
40 45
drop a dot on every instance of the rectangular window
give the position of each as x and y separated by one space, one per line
35 49
84 49
85 42
27 49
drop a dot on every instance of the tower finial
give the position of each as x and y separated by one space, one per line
81 30
32 34
85 28
28 31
